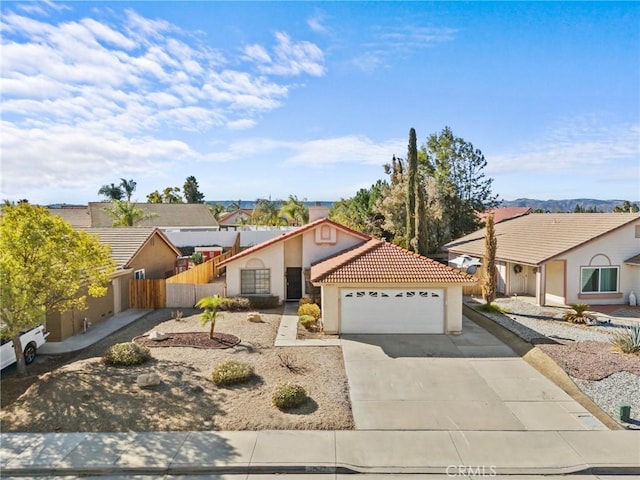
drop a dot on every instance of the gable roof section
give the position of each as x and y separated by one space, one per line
77 217
292 234
539 237
635 260
164 215
127 242
230 218
504 213
377 261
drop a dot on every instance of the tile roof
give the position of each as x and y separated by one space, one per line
232 216
165 215
377 261
77 217
504 213
291 234
126 242
538 237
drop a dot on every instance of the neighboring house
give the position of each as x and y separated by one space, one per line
139 252
76 216
504 213
378 287
366 285
564 258
236 219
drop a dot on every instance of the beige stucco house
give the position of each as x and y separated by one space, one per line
366 285
564 258
139 252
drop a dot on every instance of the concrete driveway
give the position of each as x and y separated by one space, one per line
472 381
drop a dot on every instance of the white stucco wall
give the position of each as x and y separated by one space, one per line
271 257
313 252
610 250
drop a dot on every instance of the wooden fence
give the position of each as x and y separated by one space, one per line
147 293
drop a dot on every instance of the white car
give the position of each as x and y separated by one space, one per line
466 263
31 340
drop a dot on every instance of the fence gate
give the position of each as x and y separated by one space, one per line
147 293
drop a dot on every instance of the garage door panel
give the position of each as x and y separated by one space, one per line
392 311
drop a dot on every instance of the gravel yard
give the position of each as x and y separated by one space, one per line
608 377
87 396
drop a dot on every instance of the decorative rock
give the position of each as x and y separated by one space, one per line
157 336
146 380
254 317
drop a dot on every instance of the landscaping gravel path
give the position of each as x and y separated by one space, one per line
607 377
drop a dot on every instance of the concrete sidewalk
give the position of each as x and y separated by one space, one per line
94 334
329 452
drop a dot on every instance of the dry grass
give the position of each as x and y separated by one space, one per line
87 396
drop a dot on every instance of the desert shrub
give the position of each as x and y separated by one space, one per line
235 304
307 321
259 302
232 372
309 309
304 301
628 341
288 395
129 353
492 308
579 314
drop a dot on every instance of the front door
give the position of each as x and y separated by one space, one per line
294 283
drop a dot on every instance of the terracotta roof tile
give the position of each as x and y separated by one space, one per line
377 261
291 234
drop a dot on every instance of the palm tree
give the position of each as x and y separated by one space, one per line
127 187
126 214
266 212
295 211
112 192
210 305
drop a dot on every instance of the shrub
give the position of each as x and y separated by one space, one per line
128 353
304 301
578 315
232 372
235 304
493 308
288 395
309 309
628 341
307 321
259 302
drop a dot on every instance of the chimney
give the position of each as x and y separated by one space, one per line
317 211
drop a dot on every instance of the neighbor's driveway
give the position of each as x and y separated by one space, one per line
471 381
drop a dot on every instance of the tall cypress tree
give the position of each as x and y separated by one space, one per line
490 280
412 181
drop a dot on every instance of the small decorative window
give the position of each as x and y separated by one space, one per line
373 294
139 274
411 294
424 294
599 280
349 295
360 294
435 295
399 295
383 295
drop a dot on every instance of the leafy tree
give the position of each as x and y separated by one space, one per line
112 192
127 214
216 209
128 187
171 195
392 202
359 212
154 197
210 305
294 211
412 185
626 206
458 170
44 266
490 278
191 192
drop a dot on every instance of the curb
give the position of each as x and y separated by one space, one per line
543 363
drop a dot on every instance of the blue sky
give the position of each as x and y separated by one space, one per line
311 99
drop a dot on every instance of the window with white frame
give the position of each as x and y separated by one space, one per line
599 279
139 274
254 282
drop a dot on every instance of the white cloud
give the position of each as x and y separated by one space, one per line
317 22
289 58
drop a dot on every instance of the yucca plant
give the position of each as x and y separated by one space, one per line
628 340
579 314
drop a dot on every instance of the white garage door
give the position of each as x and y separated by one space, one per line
392 311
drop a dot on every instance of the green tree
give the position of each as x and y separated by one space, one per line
391 205
45 265
112 192
210 305
154 197
126 214
458 170
267 212
191 192
294 211
216 209
412 185
171 195
359 212
626 207
490 277
128 187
